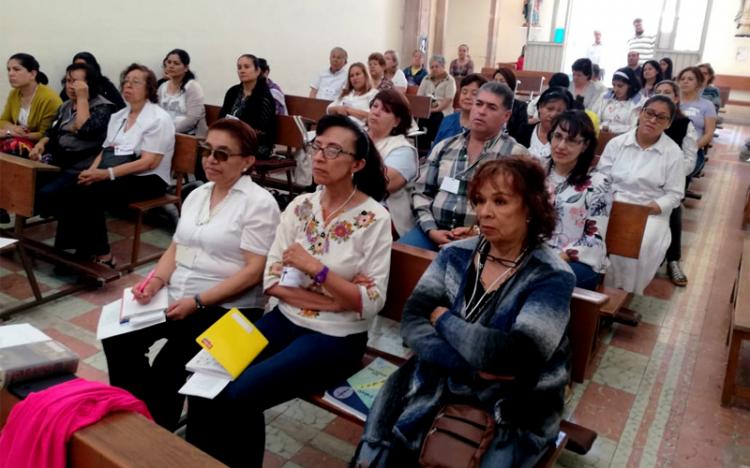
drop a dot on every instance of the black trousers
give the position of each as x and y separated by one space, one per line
674 252
81 219
432 125
157 384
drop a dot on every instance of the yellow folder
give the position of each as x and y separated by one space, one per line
233 341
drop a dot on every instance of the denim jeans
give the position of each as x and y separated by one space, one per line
418 238
586 277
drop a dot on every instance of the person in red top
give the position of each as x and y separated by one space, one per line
521 58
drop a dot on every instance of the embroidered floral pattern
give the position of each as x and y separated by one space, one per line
341 231
319 237
372 293
308 313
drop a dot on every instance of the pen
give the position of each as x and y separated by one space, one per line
143 284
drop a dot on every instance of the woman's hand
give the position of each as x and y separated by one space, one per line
362 280
36 152
181 309
89 176
296 256
341 110
464 232
145 295
436 314
654 208
81 89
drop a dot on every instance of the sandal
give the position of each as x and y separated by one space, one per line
110 262
676 274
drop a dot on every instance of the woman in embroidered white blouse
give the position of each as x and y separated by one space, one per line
582 199
328 267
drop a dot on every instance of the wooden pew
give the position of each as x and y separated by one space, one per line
739 331
124 440
419 106
627 223
488 72
183 164
309 108
288 136
212 113
407 266
412 90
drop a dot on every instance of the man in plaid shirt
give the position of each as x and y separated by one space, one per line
440 202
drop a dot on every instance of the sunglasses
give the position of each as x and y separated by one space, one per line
204 151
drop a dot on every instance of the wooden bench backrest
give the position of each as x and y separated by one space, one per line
627 223
309 108
412 90
530 84
741 315
724 94
510 65
184 158
407 266
602 140
420 106
212 114
287 133
488 72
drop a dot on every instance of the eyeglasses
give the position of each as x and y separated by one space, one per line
133 83
220 155
330 152
653 115
557 137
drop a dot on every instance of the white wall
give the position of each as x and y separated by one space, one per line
467 23
295 36
721 45
511 33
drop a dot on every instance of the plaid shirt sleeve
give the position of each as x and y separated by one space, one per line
439 164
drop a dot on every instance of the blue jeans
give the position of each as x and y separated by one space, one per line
418 238
297 362
586 277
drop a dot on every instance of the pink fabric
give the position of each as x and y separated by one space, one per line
39 427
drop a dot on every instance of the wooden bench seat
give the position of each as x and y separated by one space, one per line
124 440
739 331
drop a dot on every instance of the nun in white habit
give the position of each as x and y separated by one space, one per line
646 168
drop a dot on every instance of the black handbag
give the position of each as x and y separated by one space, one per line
109 159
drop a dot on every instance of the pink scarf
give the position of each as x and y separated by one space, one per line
39 427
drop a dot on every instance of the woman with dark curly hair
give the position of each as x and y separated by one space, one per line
134 165
486 323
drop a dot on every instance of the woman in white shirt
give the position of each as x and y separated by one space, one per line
553 102
618 110
646 167
354 100
215 263
134 165
387 124
393 72
181 95
582 199
328 267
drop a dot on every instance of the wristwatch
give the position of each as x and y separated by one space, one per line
198 303
320 278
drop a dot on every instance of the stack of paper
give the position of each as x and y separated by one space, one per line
109 322
131 311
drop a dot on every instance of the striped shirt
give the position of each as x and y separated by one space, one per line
644 45
441 209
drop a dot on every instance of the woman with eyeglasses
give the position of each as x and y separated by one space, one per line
328 267
618 109
214 263
646 167
582 198
134 164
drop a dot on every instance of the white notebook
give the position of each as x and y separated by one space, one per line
130 308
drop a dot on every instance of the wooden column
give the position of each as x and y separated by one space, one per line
441 16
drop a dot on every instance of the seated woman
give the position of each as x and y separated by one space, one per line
682 131
387 125
214 263
462 65
582 199
251 101
134 165
650 75
76 136
618 109
30 108
665 65
276 92
181 95
557 79
107 89
376 65
710 91
458 122
354 100
518 114
487 325
441 88
335 245
583 85
646 167
699 110
552 102
393 73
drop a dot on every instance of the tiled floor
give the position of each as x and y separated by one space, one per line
652 393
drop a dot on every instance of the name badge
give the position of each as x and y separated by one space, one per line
231 117
450 185
186 255
124 150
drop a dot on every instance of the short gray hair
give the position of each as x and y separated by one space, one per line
342 50
501 90
438 58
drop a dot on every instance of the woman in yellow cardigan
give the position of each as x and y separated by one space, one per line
31 105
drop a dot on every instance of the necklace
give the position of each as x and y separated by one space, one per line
475 309
338 208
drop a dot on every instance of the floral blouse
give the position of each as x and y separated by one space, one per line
582 215
356 241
